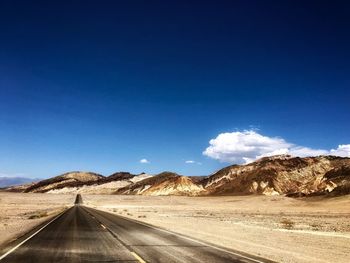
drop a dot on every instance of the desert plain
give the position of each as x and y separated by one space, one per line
282 229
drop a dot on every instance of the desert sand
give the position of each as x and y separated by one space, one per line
278 228
21 212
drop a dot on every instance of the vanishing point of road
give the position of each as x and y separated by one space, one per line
83 234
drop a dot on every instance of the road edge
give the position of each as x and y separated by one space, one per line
12 245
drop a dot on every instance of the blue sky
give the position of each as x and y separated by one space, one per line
100 85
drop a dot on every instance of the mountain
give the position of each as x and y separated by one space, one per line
120 176
165 183
71 179
276 175
11 181
283 175
105 185
81 182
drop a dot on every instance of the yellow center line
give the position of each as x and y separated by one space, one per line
138 257
133 253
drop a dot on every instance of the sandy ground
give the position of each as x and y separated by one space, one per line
21 212
277 228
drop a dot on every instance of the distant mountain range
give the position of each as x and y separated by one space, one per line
10 181
276 175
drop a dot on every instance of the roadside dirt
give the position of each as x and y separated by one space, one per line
22 212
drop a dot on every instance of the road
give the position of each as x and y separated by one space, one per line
83 234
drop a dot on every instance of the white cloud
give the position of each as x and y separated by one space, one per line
144 161
243 146
306 151
247 146
342 150
193 162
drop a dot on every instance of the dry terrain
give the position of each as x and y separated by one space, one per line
21 212
279 228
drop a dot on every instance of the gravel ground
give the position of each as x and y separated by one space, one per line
22 212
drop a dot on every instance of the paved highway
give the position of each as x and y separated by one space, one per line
83 234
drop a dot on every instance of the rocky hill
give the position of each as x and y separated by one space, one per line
165 183
106 185
71 179
81 182
283 175
120 176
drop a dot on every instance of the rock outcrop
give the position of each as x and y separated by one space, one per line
283 175
166 183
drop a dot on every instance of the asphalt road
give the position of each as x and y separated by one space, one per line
83 234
